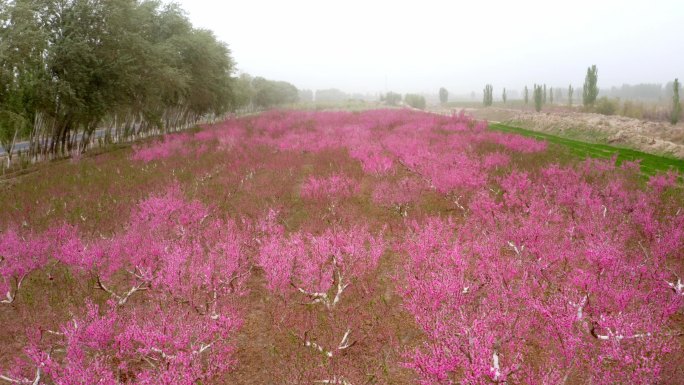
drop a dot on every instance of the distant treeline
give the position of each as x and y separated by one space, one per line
258 93
334 95
640 101
641 92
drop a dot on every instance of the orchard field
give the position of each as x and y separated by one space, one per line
375 247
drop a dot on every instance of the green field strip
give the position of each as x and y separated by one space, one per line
650 163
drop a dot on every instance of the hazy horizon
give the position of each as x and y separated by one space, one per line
383 46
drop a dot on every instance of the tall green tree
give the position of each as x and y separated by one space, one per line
12 125
570 92
24 80
551 95
676 106
544 95
538 97
503 96
443 95
526 94
488 97
243 92
590 89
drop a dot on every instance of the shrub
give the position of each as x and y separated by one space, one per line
415 101
606 106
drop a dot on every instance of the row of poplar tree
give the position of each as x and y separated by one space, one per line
590 92
68 68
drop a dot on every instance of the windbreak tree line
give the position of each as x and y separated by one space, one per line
69 67
250 93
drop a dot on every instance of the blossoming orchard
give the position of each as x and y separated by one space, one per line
375 247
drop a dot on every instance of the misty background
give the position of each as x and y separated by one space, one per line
374 47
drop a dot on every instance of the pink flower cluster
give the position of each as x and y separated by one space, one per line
173 275
398 194
20 254
336 186
560 261
168 146
110 346
540 273
440 148
314 264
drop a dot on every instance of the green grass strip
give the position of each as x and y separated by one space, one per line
650 164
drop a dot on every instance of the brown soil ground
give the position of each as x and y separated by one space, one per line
648 136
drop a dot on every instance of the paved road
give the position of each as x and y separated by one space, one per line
23 146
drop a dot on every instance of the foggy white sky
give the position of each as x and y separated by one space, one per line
421 45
